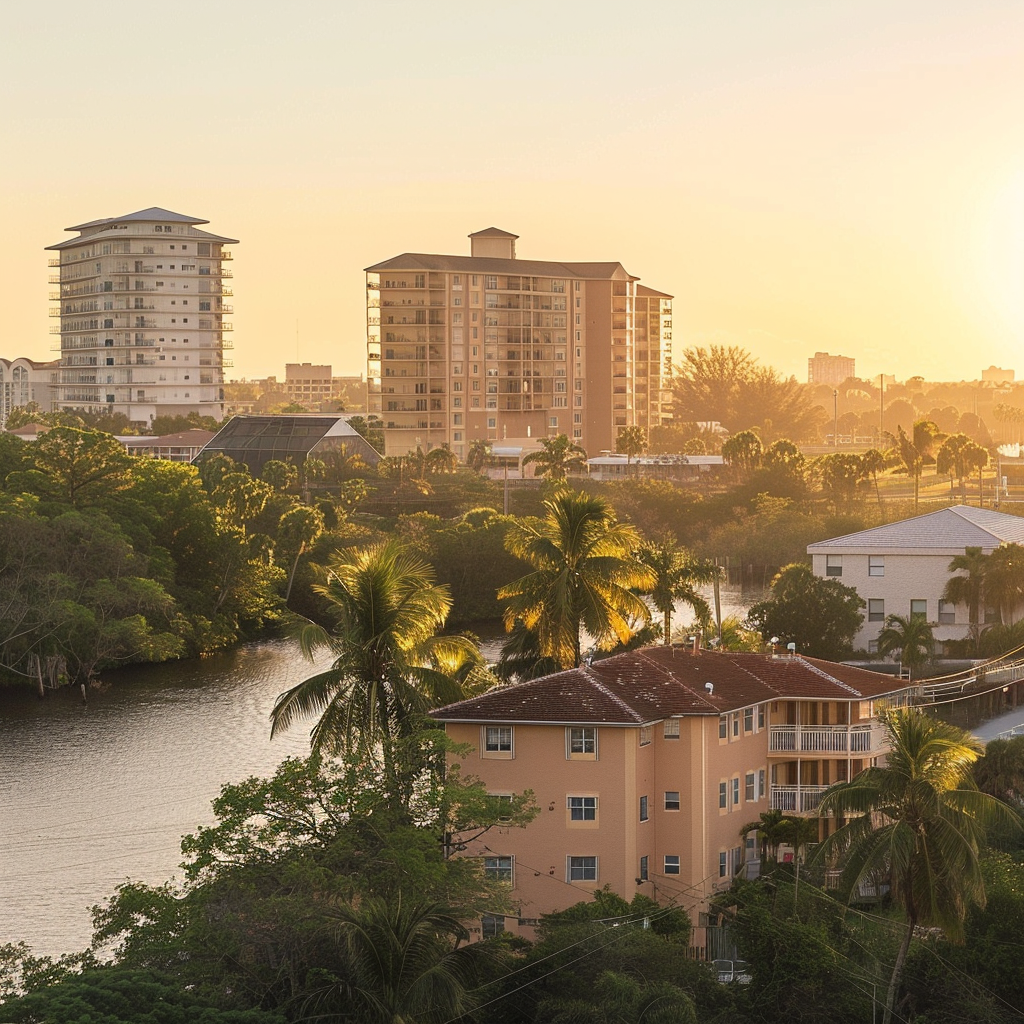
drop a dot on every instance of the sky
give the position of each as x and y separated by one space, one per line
842 176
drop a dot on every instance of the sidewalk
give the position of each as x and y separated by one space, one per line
1004 723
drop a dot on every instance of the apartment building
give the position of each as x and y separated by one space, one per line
141 308
825 369
23 381
315 386
645 766
491 347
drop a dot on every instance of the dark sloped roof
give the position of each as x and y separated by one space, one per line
494 265
647 291
493 233
660 682
153 213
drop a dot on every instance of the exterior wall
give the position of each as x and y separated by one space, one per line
921 575
825 369
23 381
142 321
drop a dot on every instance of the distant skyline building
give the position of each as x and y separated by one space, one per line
997 375
23 381
825 369
494 348
142 316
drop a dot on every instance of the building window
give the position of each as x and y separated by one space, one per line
581 743
723 867
582 808
748 786
643 869
672 800
498 869
876 565
646 732
760 783
491 926
833 565
723 727
582 869
748 719
670 729
498 741
876 609
735 724
760 716
643 808
872 647
918 609
736 791
723 794
671 864
947 613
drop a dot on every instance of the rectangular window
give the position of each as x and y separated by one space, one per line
748 788
491 926
736 791
646 733
498 739
760 783
498 869
582 808
919 609
876 565
670 729
833 565
672 800
643 808
947 613
582 869
760 716
876 609
723 864
671 864
748 719
581 742
723 794
723 727
643 869
735 724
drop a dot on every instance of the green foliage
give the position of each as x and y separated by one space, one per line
557 457
820 616
910 638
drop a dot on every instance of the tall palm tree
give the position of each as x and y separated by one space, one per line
910 455
910 636
1004 581
299 528
922 820
556 457
440 460
676 576
390 664
872 463
968 588
403 961
585 570
772 828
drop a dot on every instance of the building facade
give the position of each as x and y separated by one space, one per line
141 309
23 381
491 347
825 369
315 386
645 767
902 568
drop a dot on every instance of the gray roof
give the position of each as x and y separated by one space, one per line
485 264
493 233
196 233
154 213
949 529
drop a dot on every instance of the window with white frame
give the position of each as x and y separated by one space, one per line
947 613
723 727
672 800
833 565
581 869
498 869
671 863
491 926
918 609
760 716
723 794
646 733
748 719
723 864
643 869
581 743
876 565
760 783
748 787
582 808
670 729
876 609
735 791
497 741
643 809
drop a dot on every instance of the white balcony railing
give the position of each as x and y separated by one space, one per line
795 799
826 739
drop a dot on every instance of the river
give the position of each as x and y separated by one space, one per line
93 795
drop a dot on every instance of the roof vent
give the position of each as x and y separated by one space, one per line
710 687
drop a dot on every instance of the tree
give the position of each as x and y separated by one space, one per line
910 456
1004 581
1000 772
872 463
820 616
478 454
772 829
840 474
951 460
908 636
299 529
557 457
282 476
440 460
390 666
744 451
676 576
631 442
584 571
921 820
968 588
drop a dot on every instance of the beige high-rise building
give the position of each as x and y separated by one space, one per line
825 369
491 347
142 316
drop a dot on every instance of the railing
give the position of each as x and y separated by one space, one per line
825 739
798 799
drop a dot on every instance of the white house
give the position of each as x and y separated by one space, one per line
902 568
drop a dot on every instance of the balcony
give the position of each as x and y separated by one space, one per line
55 262
795 799
827 739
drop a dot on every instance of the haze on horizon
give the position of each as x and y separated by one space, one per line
802 175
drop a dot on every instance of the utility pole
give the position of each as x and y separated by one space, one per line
835 419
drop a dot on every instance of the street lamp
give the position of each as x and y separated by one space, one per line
835 418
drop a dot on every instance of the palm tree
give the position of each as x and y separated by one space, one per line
676 575
299 527
478 454
404 960
390 665
440 460
910 455
968 588
910 636
772 828
584 573
1001 771
872 463
922 820
556 457
631 441
1004 581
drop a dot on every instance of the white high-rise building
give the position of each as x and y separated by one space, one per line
142 316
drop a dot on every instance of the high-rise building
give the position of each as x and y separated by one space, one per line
491 347
142 316
825 369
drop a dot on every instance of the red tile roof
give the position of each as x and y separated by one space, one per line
660 682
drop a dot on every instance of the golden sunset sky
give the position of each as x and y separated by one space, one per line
836 176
